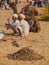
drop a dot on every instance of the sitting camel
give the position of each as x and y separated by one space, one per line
30 12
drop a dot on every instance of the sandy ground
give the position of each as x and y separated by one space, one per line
39 42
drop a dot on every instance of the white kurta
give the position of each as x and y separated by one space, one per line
14 23
25 26
22 25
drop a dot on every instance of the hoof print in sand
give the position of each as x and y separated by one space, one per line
25 54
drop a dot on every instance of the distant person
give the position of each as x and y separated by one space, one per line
45 2
4 4
36 2
13 5
8 1
40 3
0 3
32 2
16 1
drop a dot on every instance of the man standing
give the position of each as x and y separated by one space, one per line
36 2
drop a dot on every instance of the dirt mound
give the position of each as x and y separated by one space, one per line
25 54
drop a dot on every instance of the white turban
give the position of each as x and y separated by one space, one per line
15 15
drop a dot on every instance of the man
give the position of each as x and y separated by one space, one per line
13 25
13 5
4 4
40 3
45 2
16 1
8 1
0 3
36 2
24 24
20 27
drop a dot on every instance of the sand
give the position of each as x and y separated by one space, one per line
39 42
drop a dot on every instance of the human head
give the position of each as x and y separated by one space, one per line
21 16
15 16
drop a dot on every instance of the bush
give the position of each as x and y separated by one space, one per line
45 15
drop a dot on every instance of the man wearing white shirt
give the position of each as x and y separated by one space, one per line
13 25
21 26
24 24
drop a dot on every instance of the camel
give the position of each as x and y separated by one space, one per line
30 12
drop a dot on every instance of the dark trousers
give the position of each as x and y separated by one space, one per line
40 4
35 3
16 1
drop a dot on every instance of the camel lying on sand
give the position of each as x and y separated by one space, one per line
30 13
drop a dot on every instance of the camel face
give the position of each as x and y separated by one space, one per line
29 9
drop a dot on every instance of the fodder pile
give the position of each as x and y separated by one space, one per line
25 54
